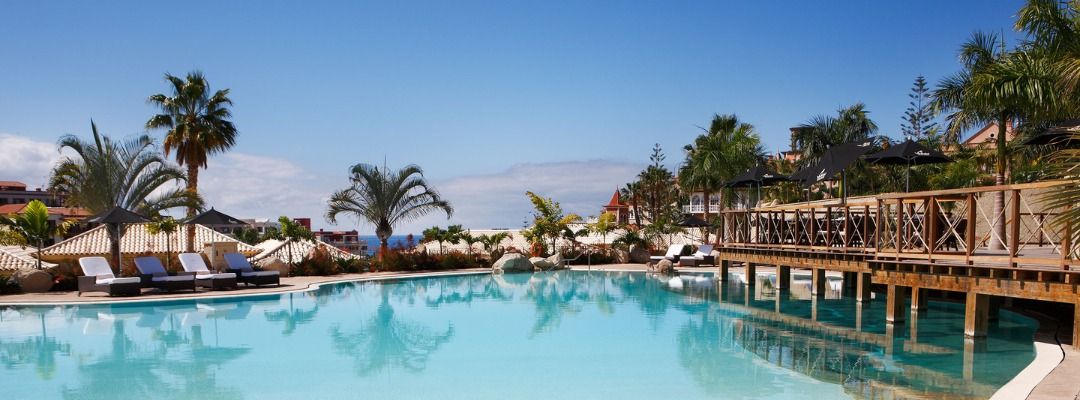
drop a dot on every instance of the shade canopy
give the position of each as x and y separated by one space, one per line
693 221
117 215
757 176
1061 134
214 217
835 159
909 152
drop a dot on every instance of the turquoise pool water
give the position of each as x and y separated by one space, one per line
566 335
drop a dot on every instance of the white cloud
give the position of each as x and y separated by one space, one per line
498 200
26 160
251 186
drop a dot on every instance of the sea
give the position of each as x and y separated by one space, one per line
395 241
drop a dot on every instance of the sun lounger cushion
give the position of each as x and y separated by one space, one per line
224 275
110 281
166 278
96 266
238 262
259 273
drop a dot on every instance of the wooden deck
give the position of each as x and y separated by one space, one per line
952 240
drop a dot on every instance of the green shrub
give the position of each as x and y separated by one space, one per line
319 263
408 261
574 257
8 285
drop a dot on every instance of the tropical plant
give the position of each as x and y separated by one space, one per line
164 225
815 136
727 148
386 198
629 238
653 191
549 220
31 228
1000 87
493 241
919 116
604 225
468 240
248 235
196 123
131 174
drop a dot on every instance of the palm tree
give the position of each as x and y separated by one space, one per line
469 240
32 227
727 148
999 87
104 174
168 226
197 126
386 198
493 241
605 224
815 136
292 232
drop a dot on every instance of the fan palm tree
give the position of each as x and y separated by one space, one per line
31 227
727 148
131 174
197 126
386 198
999 87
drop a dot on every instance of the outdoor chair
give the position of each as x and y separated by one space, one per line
153 274
98 277
238 264
672 254
193 263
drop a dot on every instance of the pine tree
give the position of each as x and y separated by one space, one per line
919 116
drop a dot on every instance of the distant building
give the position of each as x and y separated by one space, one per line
305 222
348 241
13 192
56 215
623 212
988 136
261 225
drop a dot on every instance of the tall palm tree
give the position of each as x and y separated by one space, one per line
727 148
815 136
104 173
197 126
386 198
1000 87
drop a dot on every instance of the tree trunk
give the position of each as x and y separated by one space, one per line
193 190
708 204
997 232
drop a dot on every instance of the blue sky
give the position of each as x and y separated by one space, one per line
491 98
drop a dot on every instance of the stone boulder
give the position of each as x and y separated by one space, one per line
275 264
664 267
639 254
33 280
622 256
557 261
512 262
541 263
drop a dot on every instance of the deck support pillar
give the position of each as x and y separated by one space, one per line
918 298
725 265
976 314
817 288
783 277
862 287
1076 326
894 304
751 273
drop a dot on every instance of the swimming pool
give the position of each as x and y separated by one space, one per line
540 336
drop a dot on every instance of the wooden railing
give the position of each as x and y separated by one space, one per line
944 226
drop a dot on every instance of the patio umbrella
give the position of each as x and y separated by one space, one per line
835 160
758 176
214 217
908 153
117 217
1060 134
693 221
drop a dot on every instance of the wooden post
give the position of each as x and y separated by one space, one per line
976 314
798 221
865 236
899 224
969 234
1066 244
862 287
1076 326
818 280
1014 232
828 226
918 298
783 277
725 265
894 304
931 225
751 273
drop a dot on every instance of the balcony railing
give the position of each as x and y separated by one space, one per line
700 209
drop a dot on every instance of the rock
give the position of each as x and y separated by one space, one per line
665 266
557 261
512 262
275 264
622 256
33 280
541 263
639 254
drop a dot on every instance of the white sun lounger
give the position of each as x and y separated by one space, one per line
193 262
672 254
240 265
703 253
155 275
98 277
